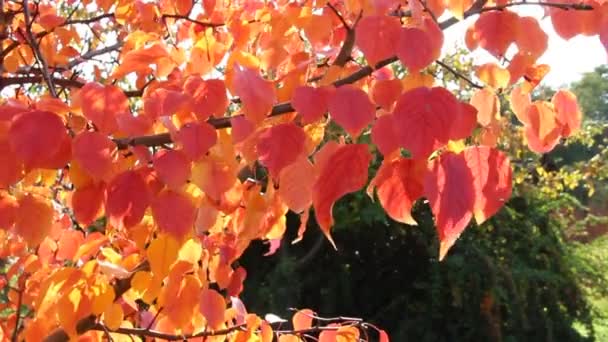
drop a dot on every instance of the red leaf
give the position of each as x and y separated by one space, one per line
93 151
568 112
375 37
172 167
464 123
384 135
448 186
311 102
279 146
345 172
209 96
34 219
423 118
257 94
36 136
399 184
491 173
12 167
174 213
87 202
101 104
196 139
127 199
162 102
352 109
415 49
8 210
531 39
496 30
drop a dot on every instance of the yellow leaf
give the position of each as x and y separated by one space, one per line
162 252
113 316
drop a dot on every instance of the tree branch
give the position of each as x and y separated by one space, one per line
458 74
202 23
15 335
141 332
36 49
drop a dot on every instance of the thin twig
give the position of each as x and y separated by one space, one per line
338 15
459 74
428 10
202 23
36 49
169 337
15 334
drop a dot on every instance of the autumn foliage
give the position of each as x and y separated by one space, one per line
145 145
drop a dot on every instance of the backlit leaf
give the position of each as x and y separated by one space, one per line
491 173
161 253
375 36
345 172
101 104
127 199
172 167
213 306
279 146
174 213
352 109
94 153
568 113
449 188
399 183
34 218
257 94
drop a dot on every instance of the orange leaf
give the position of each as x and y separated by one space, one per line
162 253
385 92
94 153
257 94
520 101
213 306
101 104
302 319
127 199
543 130
487 104
174 213
568 112
113 316
352 109
296 182
214 176
36 136
375 37
448 186
34 219
279 146
344 172
399 185
491 173
493 75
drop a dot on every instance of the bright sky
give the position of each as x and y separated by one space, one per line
568 59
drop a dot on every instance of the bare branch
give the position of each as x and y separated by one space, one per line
36 49
459 74
202 23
